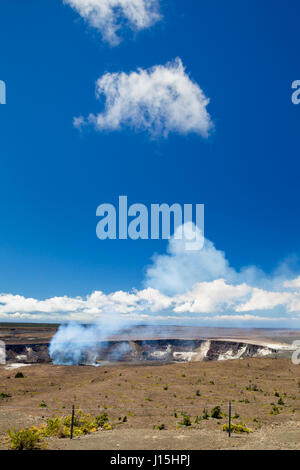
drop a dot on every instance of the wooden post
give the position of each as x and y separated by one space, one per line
72 421
229 420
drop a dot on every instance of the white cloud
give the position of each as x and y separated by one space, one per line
110 16
153 300
92 308
158 100
211 301
244 318
264 300
182 286
209 297
294 283
179 270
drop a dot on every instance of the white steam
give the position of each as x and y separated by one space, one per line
81 344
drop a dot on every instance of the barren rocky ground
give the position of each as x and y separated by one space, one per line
150 395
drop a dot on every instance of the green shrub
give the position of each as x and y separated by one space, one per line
275 410
252 388
107 426
19 375
43 404
52 427
237 428
160 427
186 420
281 402
5 395
83 424
216 413
276 394
101 420
198 394
25 439
60 427
205 414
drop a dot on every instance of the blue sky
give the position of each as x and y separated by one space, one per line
243 56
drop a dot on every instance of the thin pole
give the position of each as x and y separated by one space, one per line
72 421
229 420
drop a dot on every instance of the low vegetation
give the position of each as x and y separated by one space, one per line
25 439
160 427
216 413
43 404
186 420
275 410
19 375
31 438
237 428
253 388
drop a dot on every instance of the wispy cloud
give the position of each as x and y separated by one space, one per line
109 17
159 100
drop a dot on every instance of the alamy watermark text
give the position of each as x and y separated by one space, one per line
2 92
160 222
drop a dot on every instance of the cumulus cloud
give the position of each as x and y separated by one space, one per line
110 16
179 270
181 286
209 297
94 307
209 301
294 283
264 300
158 100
